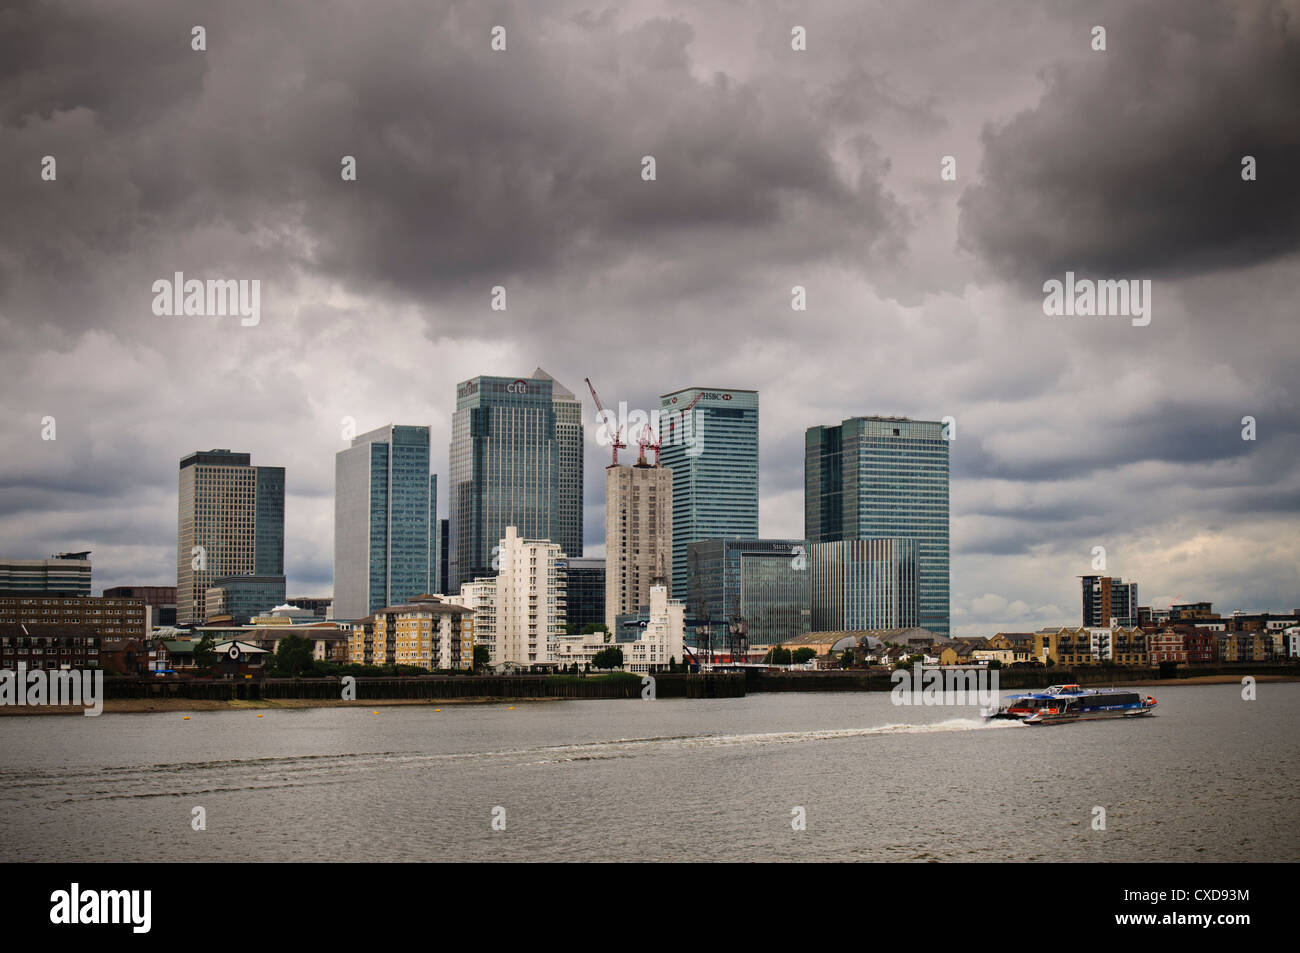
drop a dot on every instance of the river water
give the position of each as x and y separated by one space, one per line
1209 777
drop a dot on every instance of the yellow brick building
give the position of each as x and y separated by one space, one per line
425 632
1092 646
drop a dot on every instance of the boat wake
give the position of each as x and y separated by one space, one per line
184 779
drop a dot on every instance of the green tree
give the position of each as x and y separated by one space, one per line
482 656
204 655
611 657
778 656
799 656
293 655
846 660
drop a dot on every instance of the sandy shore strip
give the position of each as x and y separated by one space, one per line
1203 680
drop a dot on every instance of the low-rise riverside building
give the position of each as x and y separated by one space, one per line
864 642
1245 646
581 648
1118 645
51 631
1167 645
1007 648
329 641
426 632
360 647
659 645
664 638
960 653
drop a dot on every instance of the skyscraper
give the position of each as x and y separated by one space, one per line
638 536
713 455
230 523
568 439
385 521
877 477
515 460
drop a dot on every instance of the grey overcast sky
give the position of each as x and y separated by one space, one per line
775 168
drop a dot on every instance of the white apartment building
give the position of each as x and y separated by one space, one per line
664 638
530 600
481 596
581 649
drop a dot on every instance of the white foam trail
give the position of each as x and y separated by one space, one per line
260 773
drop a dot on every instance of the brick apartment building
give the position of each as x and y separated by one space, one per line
64 630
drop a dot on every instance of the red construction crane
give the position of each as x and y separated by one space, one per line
618 441
648 438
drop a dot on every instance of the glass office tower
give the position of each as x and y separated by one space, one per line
568 441
584 592
713 453
765 581
864 584
230 523
385 522
874 477
516 460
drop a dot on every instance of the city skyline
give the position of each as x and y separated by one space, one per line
1067 613
820 170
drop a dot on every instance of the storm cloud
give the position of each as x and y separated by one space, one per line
774 168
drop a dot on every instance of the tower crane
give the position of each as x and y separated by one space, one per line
616 439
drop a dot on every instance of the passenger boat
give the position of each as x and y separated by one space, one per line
1061 703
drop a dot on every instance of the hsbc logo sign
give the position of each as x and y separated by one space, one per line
707 395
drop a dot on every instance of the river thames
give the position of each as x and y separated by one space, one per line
1209 777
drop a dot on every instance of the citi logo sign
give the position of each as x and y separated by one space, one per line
518 387
77 906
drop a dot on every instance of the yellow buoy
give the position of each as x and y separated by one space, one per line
187 717
259 716
512 708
